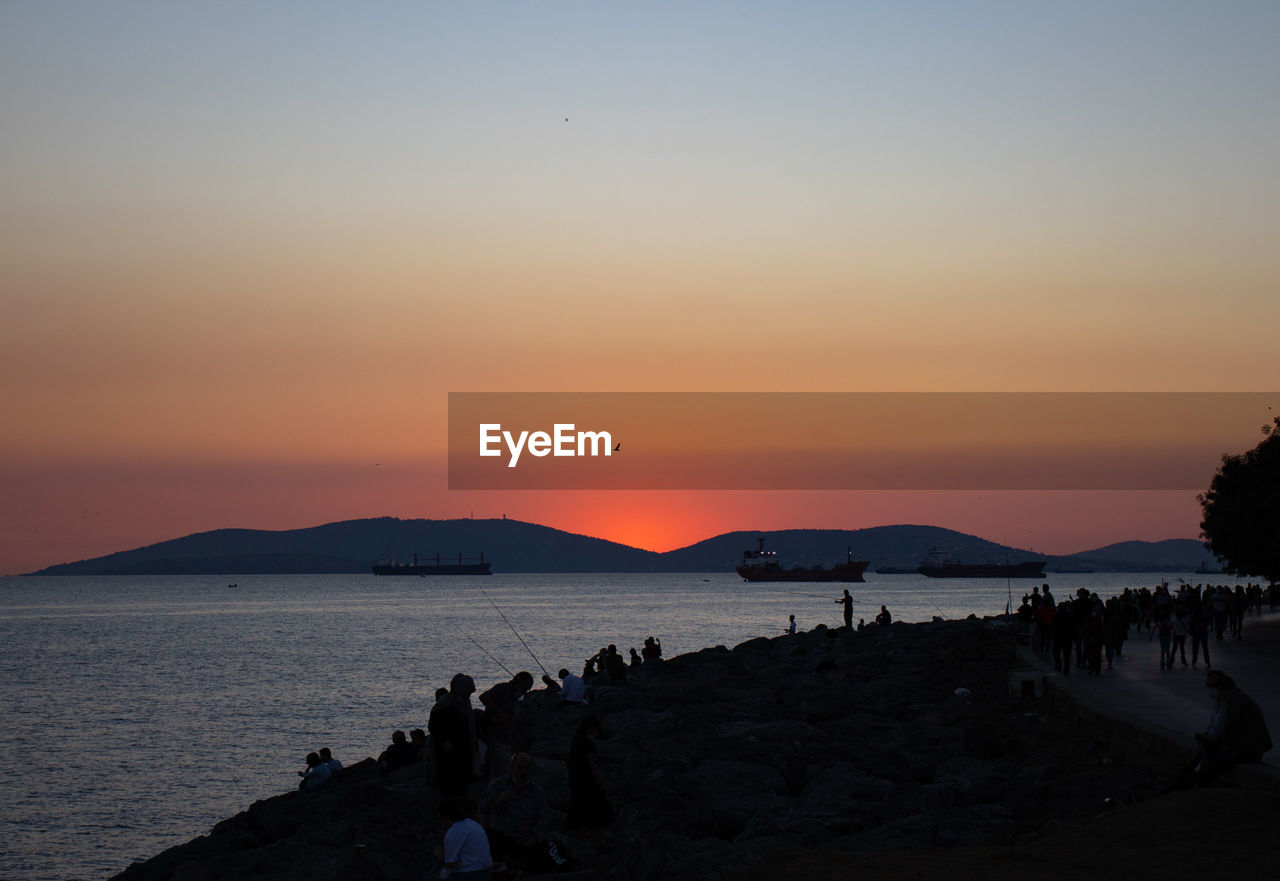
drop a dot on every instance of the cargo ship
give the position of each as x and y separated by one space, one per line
762 565
936 567
463 566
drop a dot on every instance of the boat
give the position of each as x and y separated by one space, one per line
463 566
938 567
762 565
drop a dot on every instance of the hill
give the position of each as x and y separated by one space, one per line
516 546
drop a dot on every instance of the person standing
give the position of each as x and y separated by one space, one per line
453 735
847 602
589 806
1064 637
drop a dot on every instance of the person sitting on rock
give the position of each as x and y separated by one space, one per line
466 846
399 754
884 619
614 665
652 649
1237 731
572 689
515 814
636 660
418 740
317 772
326 756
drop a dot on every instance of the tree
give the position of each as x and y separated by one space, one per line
1241 524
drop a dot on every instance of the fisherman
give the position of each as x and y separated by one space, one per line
847 601
500 712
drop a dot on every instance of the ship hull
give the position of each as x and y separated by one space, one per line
1031 569
443 569
844 572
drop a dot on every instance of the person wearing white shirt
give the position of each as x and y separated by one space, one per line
466 847
572 689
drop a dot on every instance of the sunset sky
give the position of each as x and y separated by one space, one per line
247 249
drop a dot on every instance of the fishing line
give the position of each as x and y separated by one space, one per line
516 632
482 648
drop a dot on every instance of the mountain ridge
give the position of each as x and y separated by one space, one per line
350 546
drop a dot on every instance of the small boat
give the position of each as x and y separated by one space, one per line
463 566
762 565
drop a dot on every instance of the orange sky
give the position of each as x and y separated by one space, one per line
238 280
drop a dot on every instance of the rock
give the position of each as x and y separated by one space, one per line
717 759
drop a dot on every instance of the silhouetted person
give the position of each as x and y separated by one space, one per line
1237 732
500 712
466 846
1064 637
418 740
1199 626
398 754
327 757
589 806
847 602
652 649
636 660
317 772
884 619
572 689
614 665
791 624
453 732
515 813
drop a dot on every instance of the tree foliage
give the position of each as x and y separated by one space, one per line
1241 524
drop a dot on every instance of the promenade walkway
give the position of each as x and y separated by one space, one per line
1177 701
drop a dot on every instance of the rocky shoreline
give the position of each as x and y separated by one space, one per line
898 739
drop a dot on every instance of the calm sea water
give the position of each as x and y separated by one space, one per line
138 712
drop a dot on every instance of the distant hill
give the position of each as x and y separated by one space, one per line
516 546
352 546
1173 555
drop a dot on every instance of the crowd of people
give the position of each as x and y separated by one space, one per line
1084 630
465 745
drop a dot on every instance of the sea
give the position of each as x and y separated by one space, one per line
137 712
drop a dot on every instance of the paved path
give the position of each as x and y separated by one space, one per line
1177 699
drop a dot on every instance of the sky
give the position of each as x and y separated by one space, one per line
247 250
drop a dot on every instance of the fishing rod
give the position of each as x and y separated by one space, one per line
482 648
545 672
